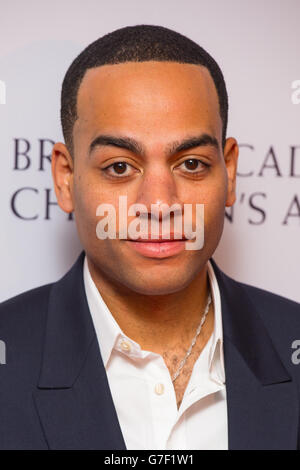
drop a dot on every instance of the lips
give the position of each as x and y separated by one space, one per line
157 248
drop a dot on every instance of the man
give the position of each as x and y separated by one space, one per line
145 344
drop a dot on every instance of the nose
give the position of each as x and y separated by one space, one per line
158 194
158 187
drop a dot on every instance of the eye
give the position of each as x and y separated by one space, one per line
194 165
118 169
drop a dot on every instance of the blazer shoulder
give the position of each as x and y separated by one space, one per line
25 305
262 297
270 300
276 310
280 314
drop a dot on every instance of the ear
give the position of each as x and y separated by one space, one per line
231 153
62 166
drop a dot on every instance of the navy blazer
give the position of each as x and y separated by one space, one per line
54 391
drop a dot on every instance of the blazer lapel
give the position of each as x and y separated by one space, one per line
73 398
262 399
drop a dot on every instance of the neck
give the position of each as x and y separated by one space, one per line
158 322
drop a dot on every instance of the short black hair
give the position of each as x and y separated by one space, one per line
137 43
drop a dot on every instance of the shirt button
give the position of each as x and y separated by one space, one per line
159 389
126 346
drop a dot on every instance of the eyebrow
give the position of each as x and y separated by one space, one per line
134 146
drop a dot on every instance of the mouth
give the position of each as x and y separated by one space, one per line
158 248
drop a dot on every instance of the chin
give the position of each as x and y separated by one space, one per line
158 285
156 289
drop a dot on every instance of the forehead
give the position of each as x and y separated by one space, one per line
148 94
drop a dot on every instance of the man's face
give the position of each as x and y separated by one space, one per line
159 105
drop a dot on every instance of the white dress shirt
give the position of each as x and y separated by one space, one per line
143 392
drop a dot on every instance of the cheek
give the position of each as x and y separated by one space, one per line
217 191
215 207
86 203
214 199
88 197
87 194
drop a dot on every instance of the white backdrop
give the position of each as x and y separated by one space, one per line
257 45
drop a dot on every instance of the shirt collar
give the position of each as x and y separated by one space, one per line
110 335
106 327
216 354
